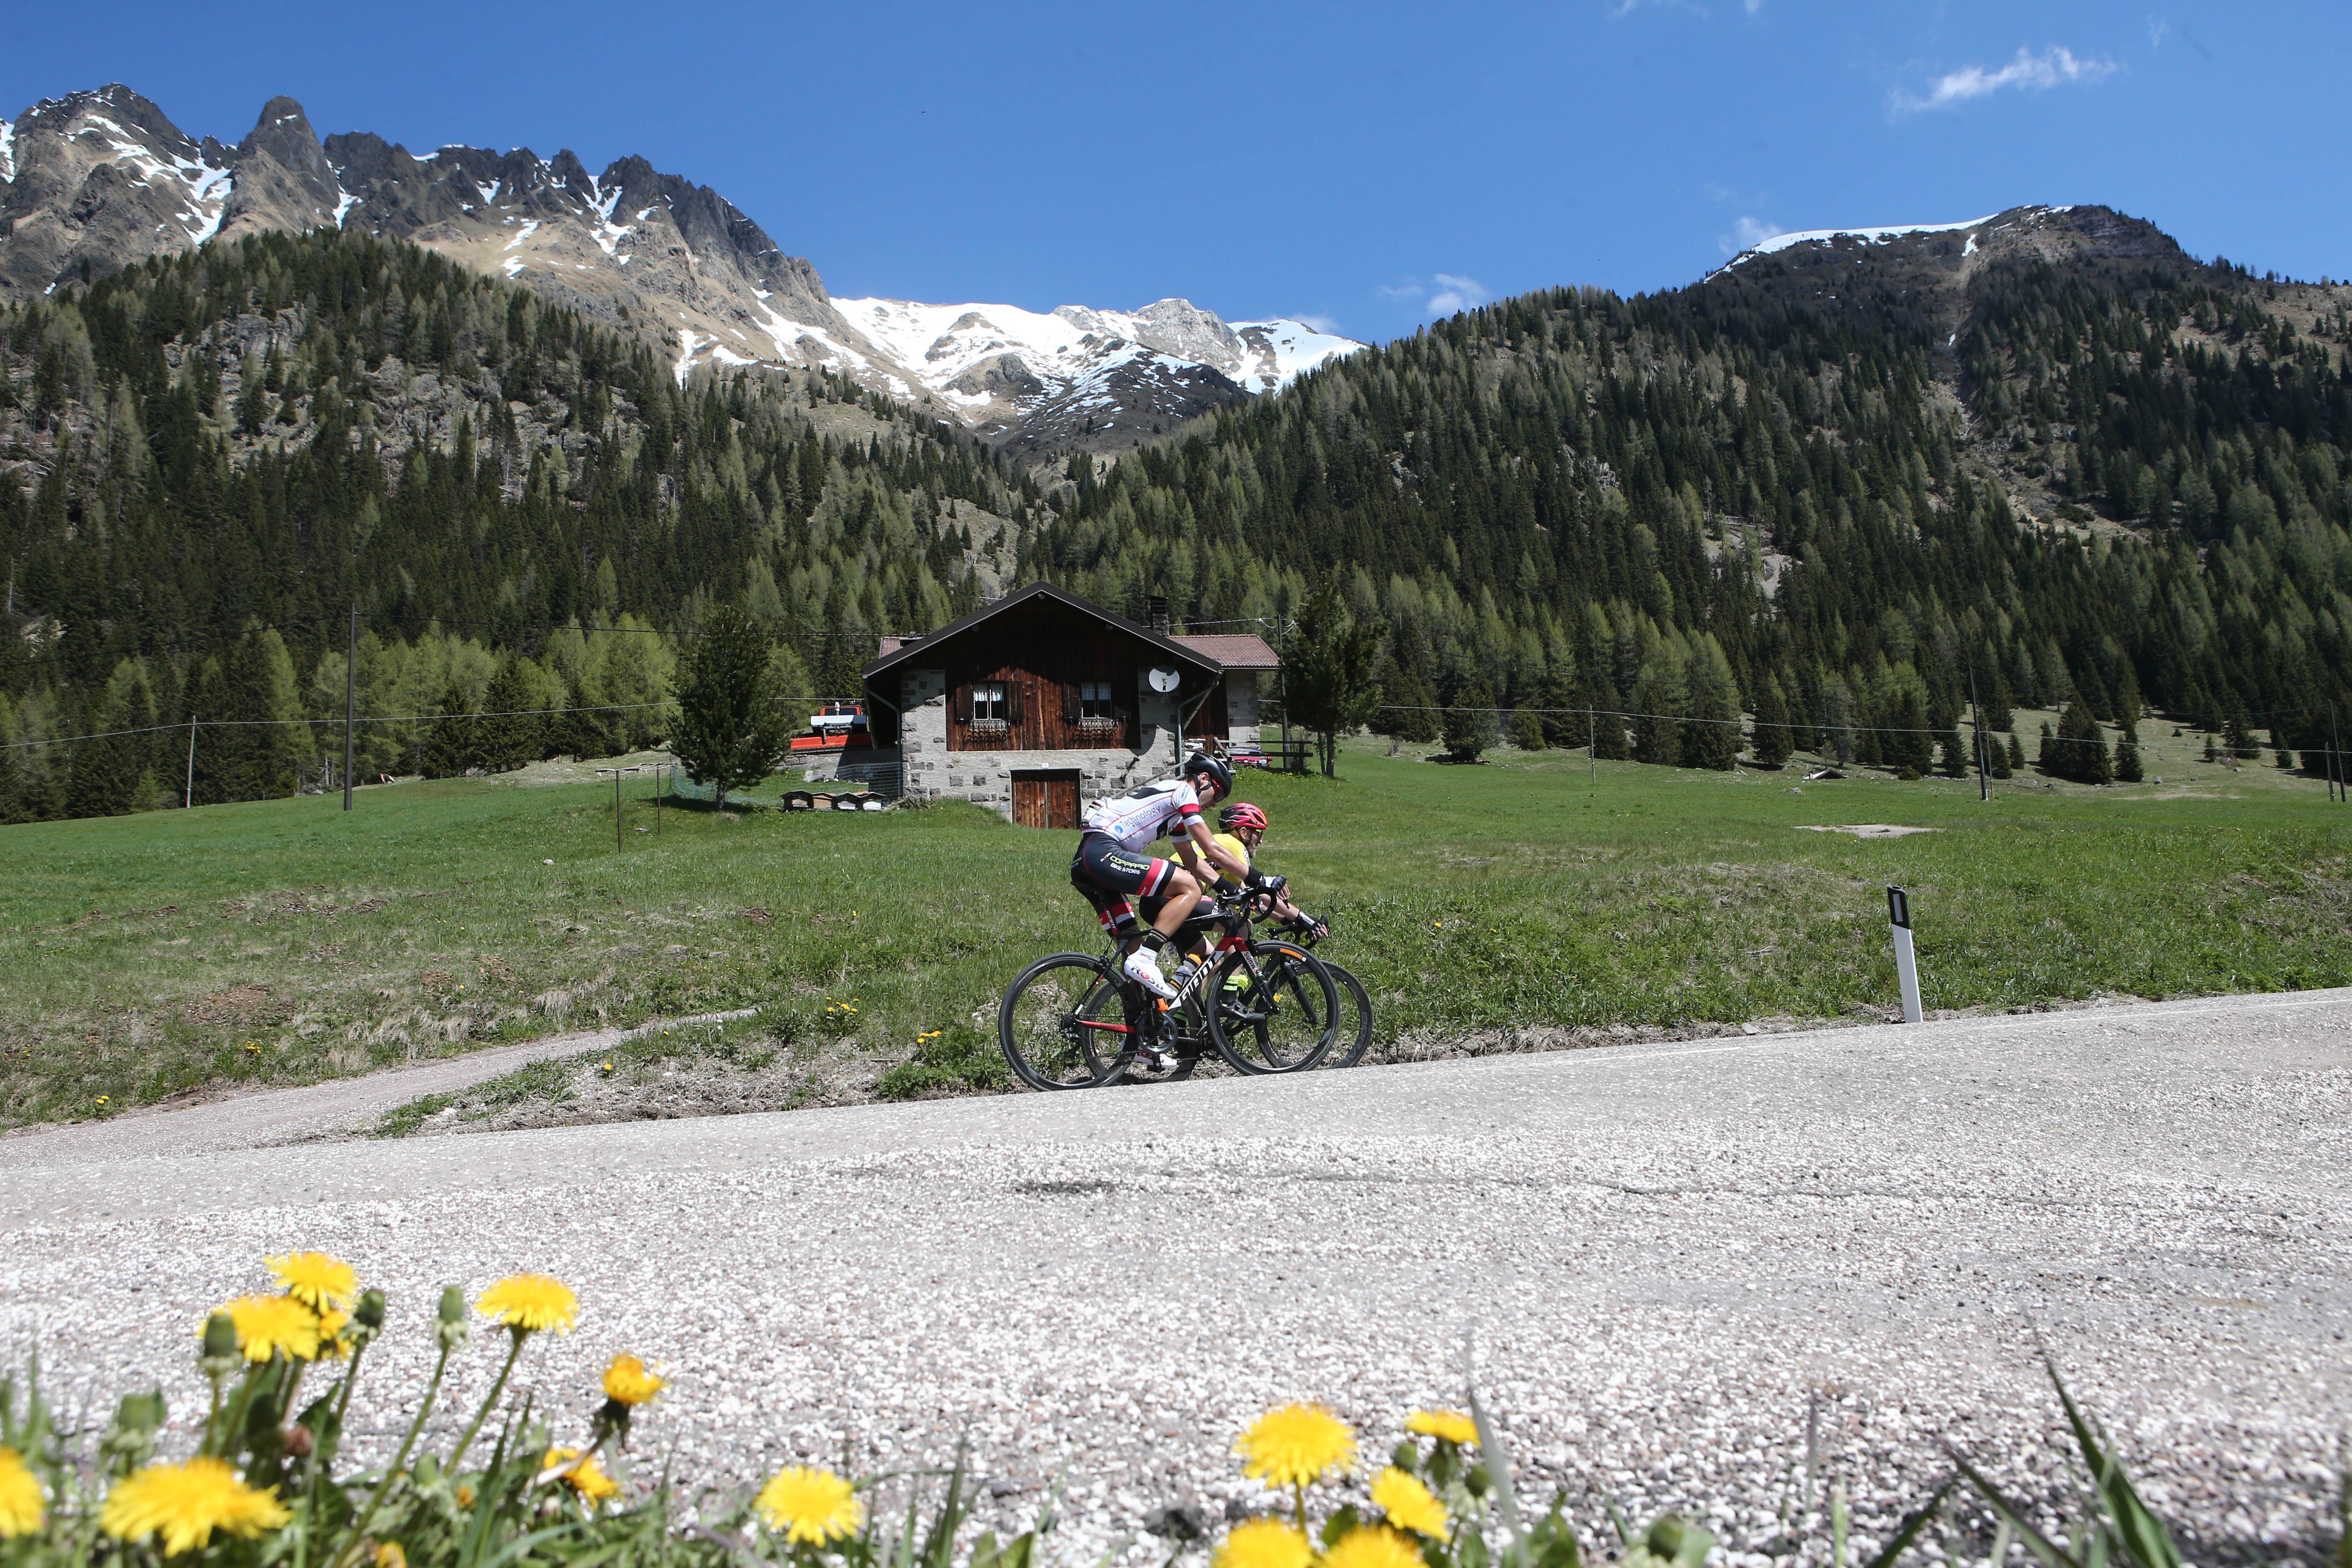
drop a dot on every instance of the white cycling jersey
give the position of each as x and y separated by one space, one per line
1138 816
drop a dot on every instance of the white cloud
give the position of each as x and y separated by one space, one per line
1748 233
1446 294
1456 294
2158 31
1321 323
2053 66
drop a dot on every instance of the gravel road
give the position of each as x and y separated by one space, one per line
1672 1261
269 1118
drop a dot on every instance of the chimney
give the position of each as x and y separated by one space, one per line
1155 610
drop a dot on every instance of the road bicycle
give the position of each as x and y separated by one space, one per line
1072 1020
1356 1032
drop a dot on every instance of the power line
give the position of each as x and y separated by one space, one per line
361 719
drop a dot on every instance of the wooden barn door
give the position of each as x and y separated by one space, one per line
1046 797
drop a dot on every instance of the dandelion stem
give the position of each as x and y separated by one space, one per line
392 1472
318 1456
514 1353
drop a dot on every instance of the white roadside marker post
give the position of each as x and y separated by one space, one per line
1906 964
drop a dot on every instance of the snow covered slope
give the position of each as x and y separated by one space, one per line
1979 231
100 179
1084 375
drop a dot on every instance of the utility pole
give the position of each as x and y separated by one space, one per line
2334 757
350 690
189 803
1592 745
1976 718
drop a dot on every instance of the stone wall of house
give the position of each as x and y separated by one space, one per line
932 771
1241 707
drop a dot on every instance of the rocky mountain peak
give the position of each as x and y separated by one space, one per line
281 178
100 179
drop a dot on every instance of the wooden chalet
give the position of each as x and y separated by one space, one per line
1040 701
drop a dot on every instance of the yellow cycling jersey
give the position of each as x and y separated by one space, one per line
1208 871
1232 845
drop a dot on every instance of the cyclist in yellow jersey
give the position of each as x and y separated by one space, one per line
1242 828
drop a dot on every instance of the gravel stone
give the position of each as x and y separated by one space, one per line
1719 1276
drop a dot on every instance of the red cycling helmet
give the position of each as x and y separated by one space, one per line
1241 814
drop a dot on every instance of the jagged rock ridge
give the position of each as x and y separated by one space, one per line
99 180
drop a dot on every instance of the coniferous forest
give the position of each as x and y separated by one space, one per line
1573 500
2117 488
212 458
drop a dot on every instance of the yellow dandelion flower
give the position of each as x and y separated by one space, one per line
1265 1544
1447 1426
389 1554
582 1475
530 1301
21 1508
317 1280
267 1324
1408 1503
331 1343
628 1382
809 1506
465 1495
1377 1547
1296 1444
185 1503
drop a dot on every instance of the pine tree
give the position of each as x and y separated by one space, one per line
1412 701
1328 671
2081 753
731 729
452 745
1555 694
1770 748
505 736
1527 729
2126 768
2045 760
2014 761
1908 746
1604 731
100 782
1657 708
11 789
1710 736
1470 720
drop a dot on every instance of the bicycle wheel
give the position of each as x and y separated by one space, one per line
1273 1008
1062 1023
1354 999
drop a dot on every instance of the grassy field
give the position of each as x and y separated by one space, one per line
1517 902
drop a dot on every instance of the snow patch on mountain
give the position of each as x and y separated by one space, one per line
1288 350
965 353
7 150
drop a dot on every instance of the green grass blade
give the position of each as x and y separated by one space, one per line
1498 1465
1913 1523
2140 1535
2052 1554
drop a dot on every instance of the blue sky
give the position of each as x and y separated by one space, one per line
1368 164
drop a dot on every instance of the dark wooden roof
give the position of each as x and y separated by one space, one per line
907 649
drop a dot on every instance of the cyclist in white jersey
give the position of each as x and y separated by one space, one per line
1111 865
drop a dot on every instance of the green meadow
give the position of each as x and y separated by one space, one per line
1523 901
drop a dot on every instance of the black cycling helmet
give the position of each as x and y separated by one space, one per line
1201 763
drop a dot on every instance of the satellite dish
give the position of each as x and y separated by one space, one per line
1165 678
